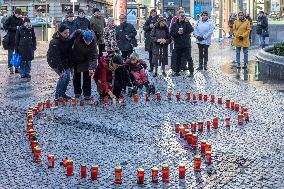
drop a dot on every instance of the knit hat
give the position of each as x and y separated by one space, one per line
96 10
88 36
117 59
26 19
70 14
81 11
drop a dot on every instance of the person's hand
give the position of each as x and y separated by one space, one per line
164 41
91 73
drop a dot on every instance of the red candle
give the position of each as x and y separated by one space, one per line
35 111
212 98
194 97
194 141
208 124
240 119
47 104
227 122
158 94
140 176
208 157
215 122
246 116
30 125
232 105
82 103
50 160
64 102
197 163
186 131
205 98
227 103
56 102
118 175
165 173
220 100
147 97
169 95
94 172
181 170
136 98
64 162
186 126
30 116
30 134
208 147
70 168
34 143
193 127
187 96
200 126
83 169
177 125
237 107
37 153
178 96
200 96
74 102
181 129
154 173
203 146
244 109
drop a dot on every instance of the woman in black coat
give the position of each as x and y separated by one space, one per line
25 45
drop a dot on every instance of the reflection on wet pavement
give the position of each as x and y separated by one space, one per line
257 74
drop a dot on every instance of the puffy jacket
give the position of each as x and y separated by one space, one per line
135 67
148 29
84 56
25 43
262 23
97 24
123 43
73 26
204 29
241 28
181 40
83 23
11 25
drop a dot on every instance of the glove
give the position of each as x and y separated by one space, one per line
241 37
200 38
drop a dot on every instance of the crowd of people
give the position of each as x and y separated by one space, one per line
79 44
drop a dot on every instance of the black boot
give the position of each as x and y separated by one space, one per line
205 66
200 67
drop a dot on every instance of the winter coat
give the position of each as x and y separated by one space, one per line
11 25
110 38
98 24
83 23
147 31
181 40
25 43
73 26
241 28
84 56
135 67
123 43
160 33
204 29
262 24
60 51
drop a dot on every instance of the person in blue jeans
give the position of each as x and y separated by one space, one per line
25 45
262 28
59 58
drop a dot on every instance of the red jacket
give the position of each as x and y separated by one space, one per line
103 76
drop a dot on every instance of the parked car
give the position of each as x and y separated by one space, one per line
39 22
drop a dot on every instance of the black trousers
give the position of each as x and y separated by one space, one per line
86 83
126 54
203 54
150 59
101 49
187 53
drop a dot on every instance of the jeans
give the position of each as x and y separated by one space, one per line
150 59
87 82
238 55
25 68
187 53
10 54
261 40
62 83
203 54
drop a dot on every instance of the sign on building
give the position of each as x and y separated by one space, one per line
275 5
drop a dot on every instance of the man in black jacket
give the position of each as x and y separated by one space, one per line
59 58
82 22
11 25
85 55
262 28
181 31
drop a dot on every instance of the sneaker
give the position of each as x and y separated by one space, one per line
66 96
11 70
176 75
238 66
245 67
17 70
155 75
205 67
77 95
200 68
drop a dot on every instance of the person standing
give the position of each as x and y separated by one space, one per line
82 22
97 25
110 36
262 28
70 22
231 21
11 25
161 38
203 31
59 58
241 29
251 25
126 37
181 31
84 57
148 26
25 45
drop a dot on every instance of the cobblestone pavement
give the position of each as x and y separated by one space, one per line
142 135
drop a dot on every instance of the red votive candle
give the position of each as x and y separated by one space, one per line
220 100
140 176
70 168
154 173
94 172
194 141
240 119
74 102
232 105
208 157
181 131
203 146
193 127
227 103
178 96
136 97
212 98
118 175
147 97
158 94
197 163
205 97
208 147
237 107
215 122
189 138
83 169
82 103
208 124
181 170
200 126
187 96
50 161
177 125
169 95
200 96
37 153
47 104
56 102
165 173
246 116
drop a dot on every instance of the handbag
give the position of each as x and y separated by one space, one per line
16 60
264 33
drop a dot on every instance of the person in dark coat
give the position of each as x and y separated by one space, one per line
25 45
11 25
82 22
262 28
148 26
125 35
181 31
59 58
70 22
85 55
161 39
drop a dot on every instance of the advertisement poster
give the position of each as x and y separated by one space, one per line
132 16
275 5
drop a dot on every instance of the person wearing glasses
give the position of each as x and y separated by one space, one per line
241 29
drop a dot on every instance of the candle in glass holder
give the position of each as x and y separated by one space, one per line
203 146
194 98
197 163
232 105
118 175
147 97
50 161
154 174
208 124
30 134
140 176
227 122
74 102
83 169
169 95
244 109
208 147
64 102
208 157
181 170
246 116
136 98
181 129
227 103
70 168
47 104
30 116
193 127
187 96
158 95
237 107
34 143
30 125
186 131
177 125
178 96
194 141
215 122
205 97
35 111
165 173
37 154
200 126
56 102
186 126
82 103
200 96
94 172
219 100
240 119
189 138
212 98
